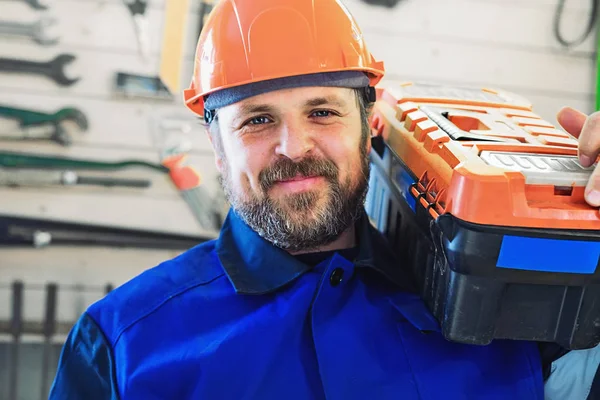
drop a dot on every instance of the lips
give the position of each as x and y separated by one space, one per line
299 183
298 178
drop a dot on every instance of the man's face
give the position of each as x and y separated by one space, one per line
294 163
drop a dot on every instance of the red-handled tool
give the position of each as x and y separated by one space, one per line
188 181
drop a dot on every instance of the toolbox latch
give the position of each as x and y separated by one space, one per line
426 193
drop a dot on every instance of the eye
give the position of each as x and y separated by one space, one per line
260 120
323 113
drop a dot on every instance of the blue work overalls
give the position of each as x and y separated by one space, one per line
237 318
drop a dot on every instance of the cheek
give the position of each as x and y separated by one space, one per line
344 151
246 161
235 157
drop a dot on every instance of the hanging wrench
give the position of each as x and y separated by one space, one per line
31 117
53 69
35 30
39 125
36 5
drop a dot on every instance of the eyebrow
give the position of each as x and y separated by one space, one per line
320 101
255 108
314 102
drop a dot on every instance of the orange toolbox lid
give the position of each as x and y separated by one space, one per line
485 156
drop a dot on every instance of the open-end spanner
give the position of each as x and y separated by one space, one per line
36 5
53 69
28 117
35 30
36 125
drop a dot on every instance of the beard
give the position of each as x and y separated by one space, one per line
305 220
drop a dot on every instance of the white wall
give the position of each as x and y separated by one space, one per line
492 43
489 43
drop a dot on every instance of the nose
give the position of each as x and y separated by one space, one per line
295 141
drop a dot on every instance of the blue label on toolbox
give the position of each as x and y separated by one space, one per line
549 255
403 181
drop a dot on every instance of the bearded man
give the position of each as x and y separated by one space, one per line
300 297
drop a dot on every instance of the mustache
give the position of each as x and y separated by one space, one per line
285 169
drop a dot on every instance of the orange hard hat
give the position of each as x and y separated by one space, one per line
246 42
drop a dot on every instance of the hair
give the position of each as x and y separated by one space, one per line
365 107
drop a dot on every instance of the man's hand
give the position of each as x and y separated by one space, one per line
587 130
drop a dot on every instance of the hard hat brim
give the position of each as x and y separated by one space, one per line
228 96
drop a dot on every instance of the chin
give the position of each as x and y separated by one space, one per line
303 204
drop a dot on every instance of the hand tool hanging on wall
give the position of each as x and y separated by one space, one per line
21 177
188 181
32 232
27 160
589 27
172 138
16 331
140 86
137 8
36 5
53 69
49 330
385 3
37 125
34 30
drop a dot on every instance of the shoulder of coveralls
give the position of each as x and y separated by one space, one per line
141 296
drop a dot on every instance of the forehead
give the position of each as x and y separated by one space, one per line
293 98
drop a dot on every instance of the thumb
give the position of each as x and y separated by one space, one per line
571 120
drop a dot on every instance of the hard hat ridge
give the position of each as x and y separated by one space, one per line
248 47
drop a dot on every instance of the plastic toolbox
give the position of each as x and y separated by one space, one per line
484 199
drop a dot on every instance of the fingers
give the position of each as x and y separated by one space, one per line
592 190
587 129
589 140
571 120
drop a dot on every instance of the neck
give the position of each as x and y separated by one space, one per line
346 240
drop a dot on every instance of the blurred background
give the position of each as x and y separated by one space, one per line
104 173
